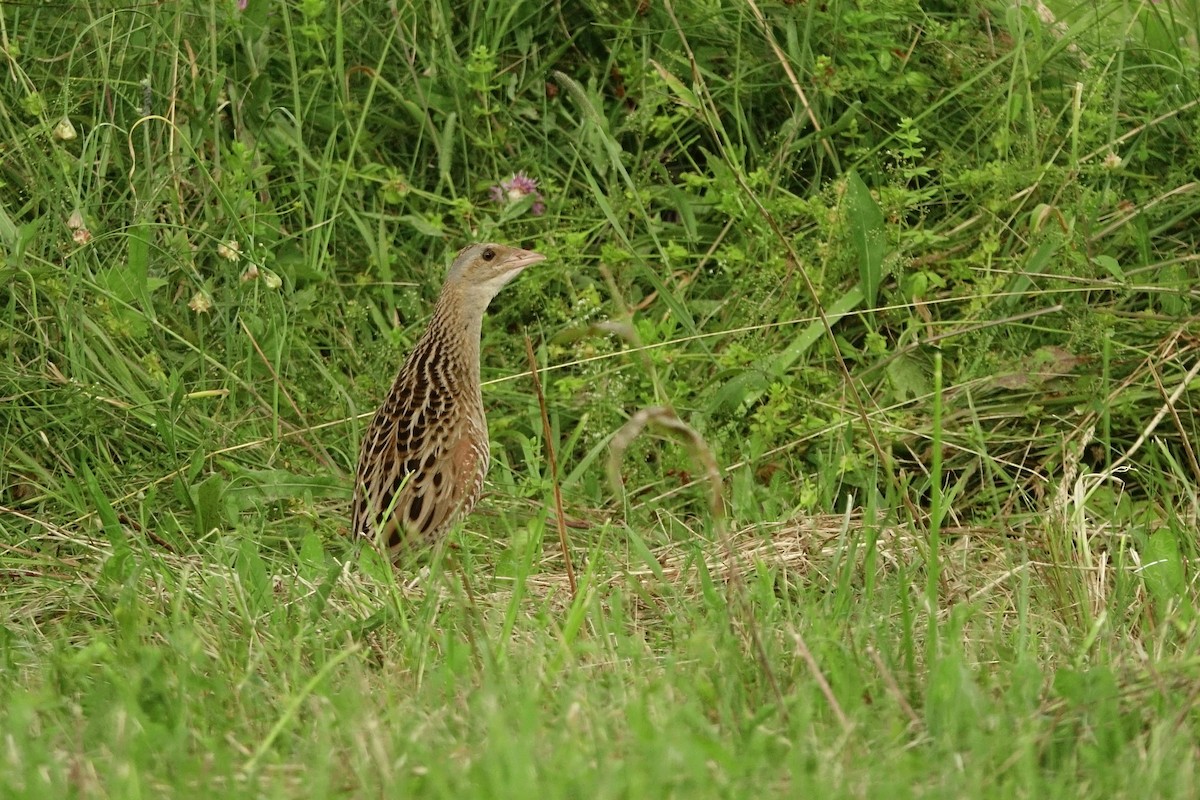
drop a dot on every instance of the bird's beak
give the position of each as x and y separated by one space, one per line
524 258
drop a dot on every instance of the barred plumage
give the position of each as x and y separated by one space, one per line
425 454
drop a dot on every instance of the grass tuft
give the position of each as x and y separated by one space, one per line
914 283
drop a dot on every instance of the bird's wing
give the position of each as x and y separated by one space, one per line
421 479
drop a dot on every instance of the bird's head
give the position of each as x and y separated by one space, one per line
480 271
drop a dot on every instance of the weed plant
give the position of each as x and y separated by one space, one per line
883 314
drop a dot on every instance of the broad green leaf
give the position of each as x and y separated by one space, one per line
137 264
1111 266
814 331
683 95
252 572
1162 567
209 511
908 377
867 235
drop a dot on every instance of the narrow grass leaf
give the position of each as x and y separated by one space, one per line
8 231
446 148
104 511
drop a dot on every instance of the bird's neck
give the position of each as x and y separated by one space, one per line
454 330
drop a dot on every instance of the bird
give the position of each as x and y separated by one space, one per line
425 454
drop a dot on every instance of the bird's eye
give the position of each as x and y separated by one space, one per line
489 254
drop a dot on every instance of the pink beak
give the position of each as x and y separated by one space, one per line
525 258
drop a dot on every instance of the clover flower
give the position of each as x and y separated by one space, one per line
79 232
201 303
518 187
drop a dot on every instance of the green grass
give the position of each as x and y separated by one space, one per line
916 282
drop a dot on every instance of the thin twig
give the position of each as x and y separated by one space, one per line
129 521
819 677
791 74
1167 405
1184 435
1135 131
893 687
1142 209
559 516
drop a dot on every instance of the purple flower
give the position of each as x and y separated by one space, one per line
241 4
518 187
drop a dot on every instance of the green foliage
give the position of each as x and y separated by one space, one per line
222 228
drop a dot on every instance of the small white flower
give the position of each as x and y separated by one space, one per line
1112 161
230 251
64 131
200 303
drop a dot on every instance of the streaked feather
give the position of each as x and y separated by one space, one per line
425 454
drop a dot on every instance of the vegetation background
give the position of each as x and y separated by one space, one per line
919 279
